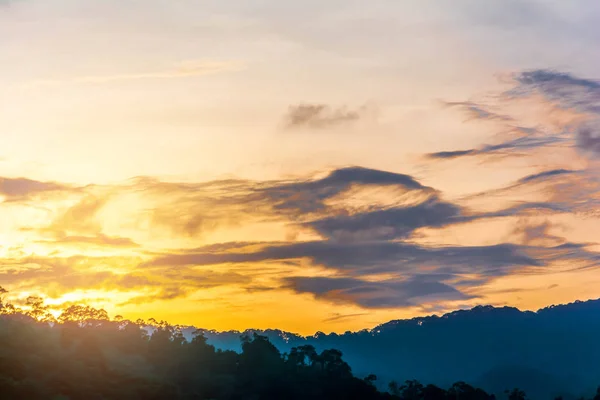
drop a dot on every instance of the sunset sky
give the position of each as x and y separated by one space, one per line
309 166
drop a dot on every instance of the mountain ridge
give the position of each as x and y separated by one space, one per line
476 310
555 348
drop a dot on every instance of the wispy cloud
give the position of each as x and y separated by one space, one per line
569 92
100 240
337 317
184 70
519 143
562 91
369 246
572 113
477 111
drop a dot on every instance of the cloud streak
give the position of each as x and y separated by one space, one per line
577 98
184 70
569 92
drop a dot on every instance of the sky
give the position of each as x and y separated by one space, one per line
308 166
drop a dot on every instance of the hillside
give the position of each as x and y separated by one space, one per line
555 347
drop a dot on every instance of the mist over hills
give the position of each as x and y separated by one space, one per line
554 351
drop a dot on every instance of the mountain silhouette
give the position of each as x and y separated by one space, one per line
554 351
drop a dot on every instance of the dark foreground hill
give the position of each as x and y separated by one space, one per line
554 351
83 354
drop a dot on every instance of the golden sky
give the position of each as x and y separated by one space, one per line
317 165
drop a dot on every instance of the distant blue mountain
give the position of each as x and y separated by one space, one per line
554 351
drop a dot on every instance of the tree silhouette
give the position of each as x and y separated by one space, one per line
411 390
83 354
516 394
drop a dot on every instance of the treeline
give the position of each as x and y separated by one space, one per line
82 354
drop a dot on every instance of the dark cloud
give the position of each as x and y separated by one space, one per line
452 154
381 294
400 221
545 174
318 116
370 247
588 137
394 223
367 242
192 209
195 209
523 209
370 257
299 197
566 89
367 176
439 273
522 141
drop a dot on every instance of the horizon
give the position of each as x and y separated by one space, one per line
55 313
323 166
439 315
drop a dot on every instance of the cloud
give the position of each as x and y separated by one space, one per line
194 209
562 190
381 294
578 99
183 70
537 233
452 154
79 225
568 92
16 189
361 225
309 196
477 111
79 218
393 223
319 116
98 240
369 257
176 285
421 273
520 142
374 240
337 317
57 276
544 175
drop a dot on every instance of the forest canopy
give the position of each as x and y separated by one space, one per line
83 354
